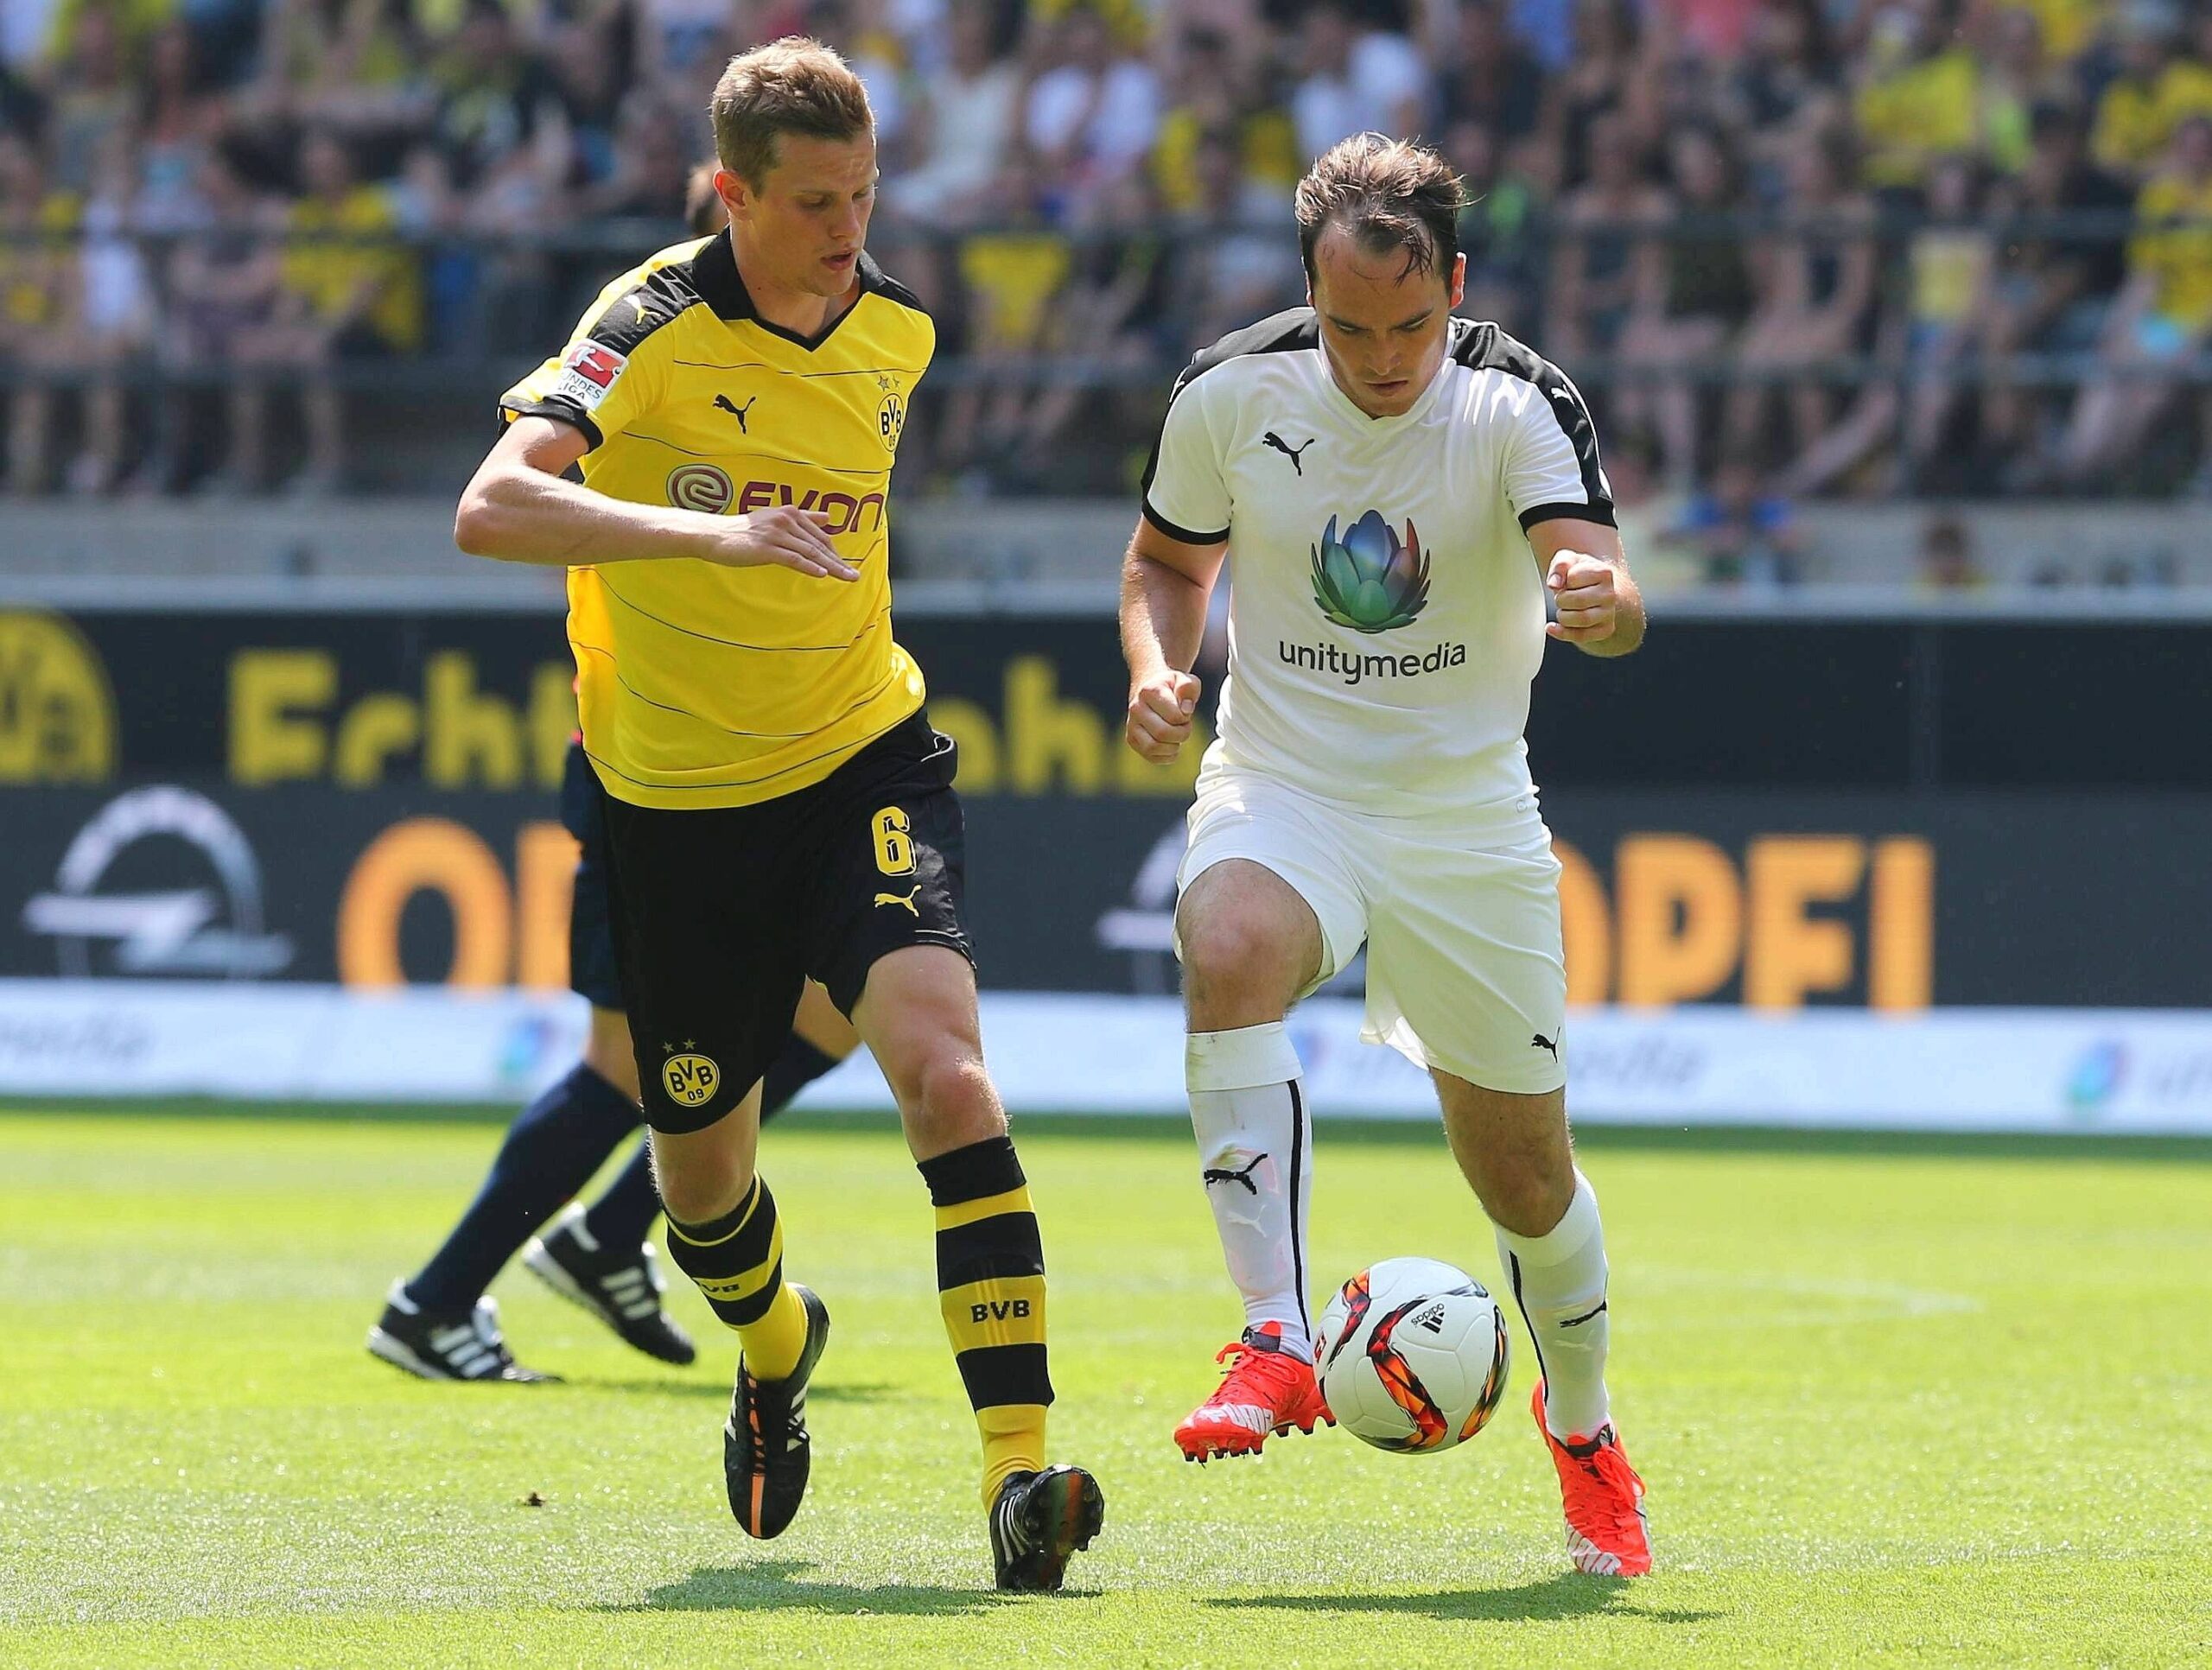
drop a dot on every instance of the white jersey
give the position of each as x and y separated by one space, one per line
1387 615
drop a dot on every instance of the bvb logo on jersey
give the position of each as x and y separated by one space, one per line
701 488
689 1079
891 419
57 714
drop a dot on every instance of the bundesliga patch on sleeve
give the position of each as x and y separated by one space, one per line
588 372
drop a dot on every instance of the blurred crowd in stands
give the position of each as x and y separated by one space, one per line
1788 247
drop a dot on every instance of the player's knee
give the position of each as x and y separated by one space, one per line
949 1098
952 1080
1236 955
692 1195
701 1179
1525 1193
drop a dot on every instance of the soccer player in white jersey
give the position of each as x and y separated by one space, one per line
1398 490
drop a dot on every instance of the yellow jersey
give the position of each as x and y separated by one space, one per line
1916 112
2135 121
700 685
2065 25
32 269
328 273
2174 243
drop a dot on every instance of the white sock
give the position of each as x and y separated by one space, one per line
1559 1281
1256 1147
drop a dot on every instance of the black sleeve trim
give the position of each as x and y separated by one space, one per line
1564 401
1281 332
560 411
1278 333
660 298
1600 512
1485 348
1183 534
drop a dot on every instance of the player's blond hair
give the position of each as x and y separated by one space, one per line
1390 194
792 86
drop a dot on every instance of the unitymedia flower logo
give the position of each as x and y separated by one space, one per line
1369 580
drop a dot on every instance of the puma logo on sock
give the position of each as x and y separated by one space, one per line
1214 1174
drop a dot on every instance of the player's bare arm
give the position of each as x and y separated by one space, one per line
1165 584
519 508
1598 607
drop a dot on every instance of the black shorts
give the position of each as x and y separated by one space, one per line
721 915
592 971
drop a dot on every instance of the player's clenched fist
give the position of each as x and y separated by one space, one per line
1586 598
782 534
1162 709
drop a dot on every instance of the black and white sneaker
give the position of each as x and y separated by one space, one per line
446 1344
1041 1519
621 1286
766 1452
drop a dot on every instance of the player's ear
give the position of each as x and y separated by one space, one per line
1459 278
734 193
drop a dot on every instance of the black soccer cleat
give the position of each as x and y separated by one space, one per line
621 1286
446 1344
766 1449
1041 1519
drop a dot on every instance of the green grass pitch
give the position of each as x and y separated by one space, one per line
1936 1405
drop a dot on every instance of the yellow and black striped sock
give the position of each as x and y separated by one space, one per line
737 1262
990 1278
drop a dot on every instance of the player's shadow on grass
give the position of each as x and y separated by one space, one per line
874 1391
775 1587
1570 1595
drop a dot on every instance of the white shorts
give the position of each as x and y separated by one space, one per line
1460 913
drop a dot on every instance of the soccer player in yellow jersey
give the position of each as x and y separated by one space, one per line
777 805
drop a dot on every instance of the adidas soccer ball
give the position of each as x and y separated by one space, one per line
1411 1354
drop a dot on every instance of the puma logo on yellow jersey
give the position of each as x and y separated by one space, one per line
905 899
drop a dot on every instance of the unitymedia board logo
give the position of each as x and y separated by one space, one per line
162 881
1370 580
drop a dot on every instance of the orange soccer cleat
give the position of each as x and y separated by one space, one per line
1607 1535
1267 1390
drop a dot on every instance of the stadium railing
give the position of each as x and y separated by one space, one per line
494 303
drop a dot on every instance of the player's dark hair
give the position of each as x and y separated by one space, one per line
1390 194
702 203
792 86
